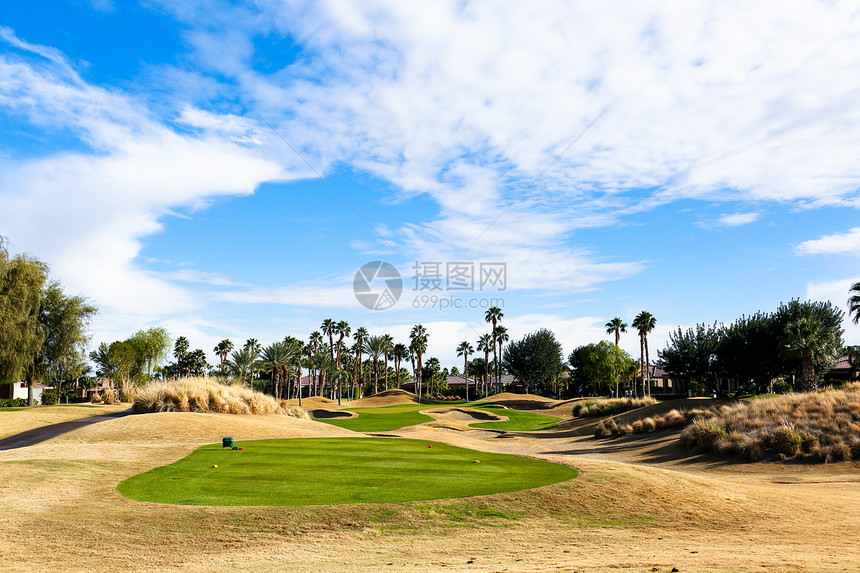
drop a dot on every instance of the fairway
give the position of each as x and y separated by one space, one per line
390 418
334 471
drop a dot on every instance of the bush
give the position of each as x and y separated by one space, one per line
49 398
672 419
13 403
610 407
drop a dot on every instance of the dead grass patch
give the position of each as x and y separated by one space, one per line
610 407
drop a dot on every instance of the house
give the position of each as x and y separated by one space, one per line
18 390
846 369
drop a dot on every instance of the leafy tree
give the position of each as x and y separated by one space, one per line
400 353
829 322
152 345
486 345
180 352
749 352
360 335
599 365
694 355
464 350
275 358
22 279
535 360
616 326
375 348
243 362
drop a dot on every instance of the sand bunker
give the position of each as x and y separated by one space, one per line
324 414
464 415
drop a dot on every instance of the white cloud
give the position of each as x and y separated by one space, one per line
736 219
837 293
848 242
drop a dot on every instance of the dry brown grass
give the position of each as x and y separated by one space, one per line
672 419
207 395
819 426
610 407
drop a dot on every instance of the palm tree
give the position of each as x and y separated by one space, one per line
400 352
254 345
854 302
359 336
342 329
243 362
494 315
223 350
807 339
501 338
329 327
644 323
617 326
464 350
180 351
418 336
375 347
485 344
316 341
275 358
386 351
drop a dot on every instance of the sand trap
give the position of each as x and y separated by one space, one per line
323 414
464 415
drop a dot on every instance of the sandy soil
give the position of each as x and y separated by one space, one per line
641 503
468 415
16 421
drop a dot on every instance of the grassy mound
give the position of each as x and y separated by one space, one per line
205 395
381 419
334 471
821 427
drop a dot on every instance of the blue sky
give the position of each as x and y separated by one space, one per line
223 169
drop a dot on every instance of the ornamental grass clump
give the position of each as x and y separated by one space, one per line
815 426
205 395
610 407
672 419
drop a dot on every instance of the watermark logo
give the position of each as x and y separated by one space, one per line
377 285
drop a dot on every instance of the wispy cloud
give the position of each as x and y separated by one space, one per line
736 220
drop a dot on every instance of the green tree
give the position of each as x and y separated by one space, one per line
464 350
243 363
644 323
693 354
486 345
418 337
360 335
494 315
275 358
808 339
180 352
22 279
535 360
153 346
375 348
616 326
223 350
601 366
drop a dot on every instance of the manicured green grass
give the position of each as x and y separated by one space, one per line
334 471
396 417
518 421
382 419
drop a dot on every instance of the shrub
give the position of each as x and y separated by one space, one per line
13 403
707 433
610 407
205 395
788 441
49 398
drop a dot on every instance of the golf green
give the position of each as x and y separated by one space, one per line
333 471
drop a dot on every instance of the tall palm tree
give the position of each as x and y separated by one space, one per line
388 346
342 329
224 348
418 336
501 337
464 350
375 347
360 335
854 302
617 326
644 323
400 352
807 339
486 344
328 327
254 345
494 315
180 352
316 341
